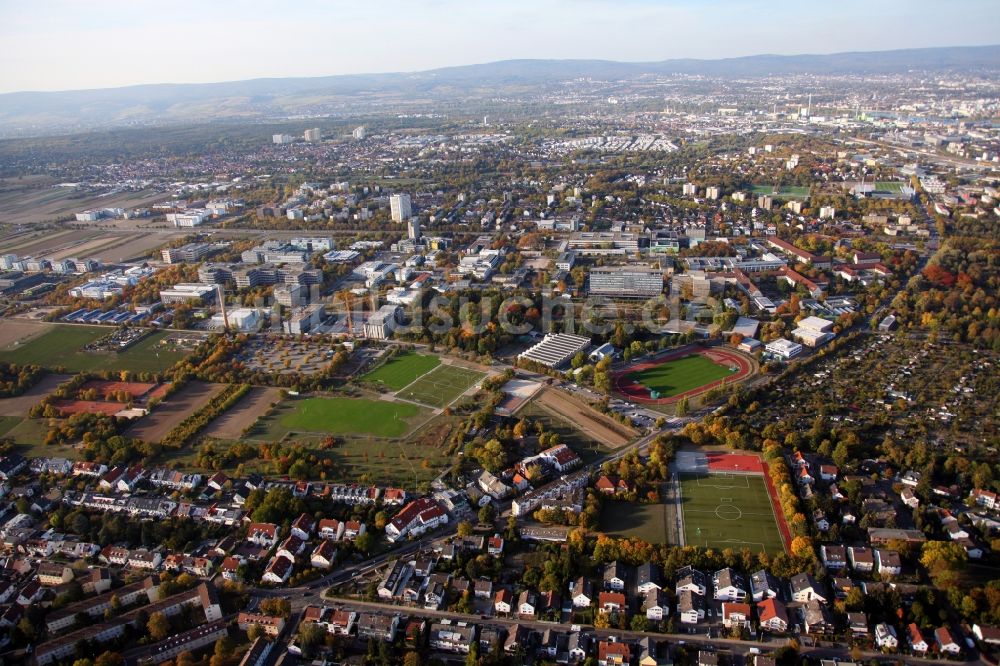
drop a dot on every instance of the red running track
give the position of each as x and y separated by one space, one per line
637 392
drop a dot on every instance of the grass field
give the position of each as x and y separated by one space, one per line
680 375
340 416
785 191
729 511
648 522
61 346
441 385
7 423
402 370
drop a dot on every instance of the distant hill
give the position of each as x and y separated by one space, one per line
35 112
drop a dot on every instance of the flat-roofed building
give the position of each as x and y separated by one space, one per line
784 348
626 281
556 349
188 291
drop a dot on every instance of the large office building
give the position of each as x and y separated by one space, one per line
400 207
556 349
626 281
595 243
187 291
190 253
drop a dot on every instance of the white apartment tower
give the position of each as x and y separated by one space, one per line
359 132
399 205
312 135
413 228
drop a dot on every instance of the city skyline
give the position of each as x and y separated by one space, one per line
62 46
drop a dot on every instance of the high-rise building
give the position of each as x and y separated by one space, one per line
413 228
359 132
282 138
312 135
399 205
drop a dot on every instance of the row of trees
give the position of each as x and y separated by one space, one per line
186 430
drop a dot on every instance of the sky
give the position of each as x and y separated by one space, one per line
79 44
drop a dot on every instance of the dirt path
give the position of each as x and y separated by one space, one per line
173 410
20 405
243 414
597 425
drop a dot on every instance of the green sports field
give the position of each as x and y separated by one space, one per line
62 346
344 416
729 511
680 375
649 522
401 370
784 192
441 386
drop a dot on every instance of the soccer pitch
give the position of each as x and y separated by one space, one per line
441 385
347 416
401 370
729 511
681 375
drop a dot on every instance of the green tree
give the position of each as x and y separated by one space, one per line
158 626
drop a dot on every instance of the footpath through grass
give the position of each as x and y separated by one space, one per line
402 370
680 375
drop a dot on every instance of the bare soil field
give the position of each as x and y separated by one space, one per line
30 205
611 433
20 331
20 405
41 240
243 414
131 247
173 410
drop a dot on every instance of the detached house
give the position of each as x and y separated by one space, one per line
735 614
805 588
916 639
763 585
656 604
615 575
264 535
691 580
582 593
303 526
772 615
278 571
610 602
324 555
329 528
729 585
945 642
885 636
690 607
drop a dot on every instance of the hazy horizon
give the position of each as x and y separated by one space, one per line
64 45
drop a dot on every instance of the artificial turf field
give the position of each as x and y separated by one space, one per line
347 416
729 511
680 375
441 386
401 370
62 346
